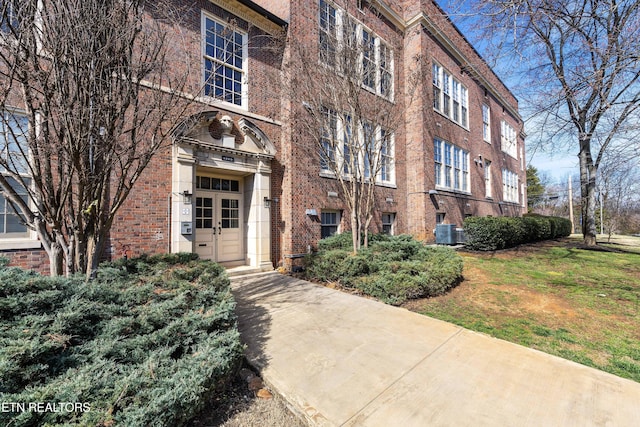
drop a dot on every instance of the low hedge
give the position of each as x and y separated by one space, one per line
393 268
494 233
145 344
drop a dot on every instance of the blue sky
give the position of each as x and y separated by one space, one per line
557 165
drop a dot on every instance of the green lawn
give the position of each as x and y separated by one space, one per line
583 305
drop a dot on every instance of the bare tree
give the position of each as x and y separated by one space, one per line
88 97
583 56
618 188
347 89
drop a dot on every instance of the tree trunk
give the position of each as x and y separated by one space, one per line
95 245
56 259
588 194
355 231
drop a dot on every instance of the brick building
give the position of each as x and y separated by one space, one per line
243 184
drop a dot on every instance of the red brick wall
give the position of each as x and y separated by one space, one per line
28 259
142 223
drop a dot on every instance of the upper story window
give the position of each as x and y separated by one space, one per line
450 96
488 181
368 59
385 65
328 33
510 181
486 123
352 48
509 140
356 152
225 61
13 152
451 166
329 141
8 17
387 158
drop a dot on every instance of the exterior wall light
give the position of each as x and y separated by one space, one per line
187 197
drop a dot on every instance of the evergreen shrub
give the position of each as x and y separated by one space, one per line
494 233
145 344
392 269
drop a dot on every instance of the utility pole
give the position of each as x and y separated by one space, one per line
601 215
573 227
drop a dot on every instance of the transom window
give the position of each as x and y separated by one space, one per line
217 184
450 96
225 53
451 165
509 140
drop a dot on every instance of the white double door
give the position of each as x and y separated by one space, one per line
219 235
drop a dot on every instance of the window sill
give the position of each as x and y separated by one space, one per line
453 191
331 175
16 244
441 114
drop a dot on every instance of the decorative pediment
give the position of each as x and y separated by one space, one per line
254 135
209 131
189 127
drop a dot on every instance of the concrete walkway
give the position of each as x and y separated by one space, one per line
343 360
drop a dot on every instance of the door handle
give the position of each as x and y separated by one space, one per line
219 230
202 244
214 231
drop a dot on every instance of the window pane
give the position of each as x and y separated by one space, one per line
223 52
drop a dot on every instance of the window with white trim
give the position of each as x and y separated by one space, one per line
387 157
9 18
330 223
365 150
328 140
488 182
510 184
450 96
13 152
451 166
509 139
328 33
347 137
385 70
348 45
369 152
486 123
368 59
225 61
